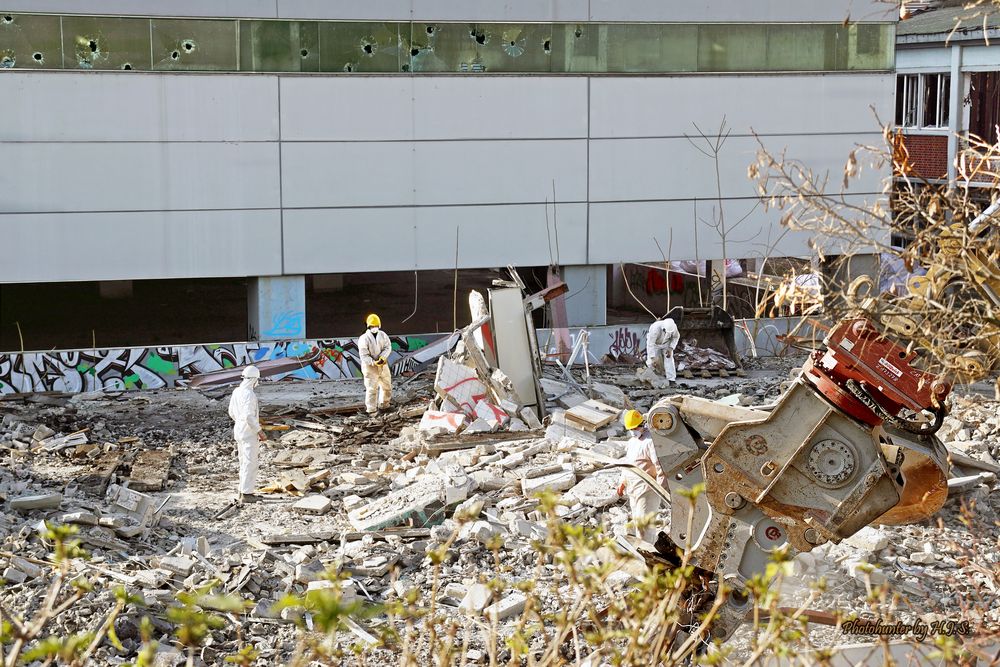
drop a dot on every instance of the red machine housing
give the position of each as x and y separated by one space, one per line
856 350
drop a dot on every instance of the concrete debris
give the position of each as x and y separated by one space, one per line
373 497
49 501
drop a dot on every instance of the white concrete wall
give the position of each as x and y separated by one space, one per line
202 175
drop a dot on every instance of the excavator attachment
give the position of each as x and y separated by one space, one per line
711 328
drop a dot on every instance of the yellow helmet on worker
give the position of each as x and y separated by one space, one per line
633 419
373 320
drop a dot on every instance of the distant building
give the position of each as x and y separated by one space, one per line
294 145
947 86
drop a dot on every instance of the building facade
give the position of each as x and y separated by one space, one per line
272 140
947 87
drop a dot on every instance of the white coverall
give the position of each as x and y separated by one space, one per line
661 340
372 346
245 413
642 499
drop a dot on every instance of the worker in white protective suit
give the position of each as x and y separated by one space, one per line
661 341
642 499
374 348
245 413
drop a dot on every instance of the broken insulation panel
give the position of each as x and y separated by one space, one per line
360 47
29 41
91 42
194 45
279 46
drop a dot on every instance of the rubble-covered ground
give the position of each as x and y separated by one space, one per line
332 470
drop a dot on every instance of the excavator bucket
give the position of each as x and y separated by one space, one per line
711 328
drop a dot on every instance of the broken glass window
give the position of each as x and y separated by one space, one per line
29 41
279 46
360 47
579 47
480 47
194 44
105 42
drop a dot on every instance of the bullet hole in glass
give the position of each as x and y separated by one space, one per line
480 37
304 53
127 66
579 32
414 52
8 18
406 67
368 48
175 55
37 55
348 67
547 45
93 46
430 30
188 46
7 62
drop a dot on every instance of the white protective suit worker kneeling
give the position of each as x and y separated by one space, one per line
245 413
374 347
642 499
661 340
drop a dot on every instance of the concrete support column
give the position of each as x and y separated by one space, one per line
277 307
586 302
956 93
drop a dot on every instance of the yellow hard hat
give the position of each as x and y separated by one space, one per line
373 321
633 419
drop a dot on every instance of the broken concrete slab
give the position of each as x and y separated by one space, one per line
559 481
46 501
150 470
597 490
869 539
412 502
315 504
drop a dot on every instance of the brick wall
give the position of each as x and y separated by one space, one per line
928 155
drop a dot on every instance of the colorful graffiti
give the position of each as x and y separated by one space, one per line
123 369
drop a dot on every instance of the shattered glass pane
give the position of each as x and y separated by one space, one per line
360 47
29 41
192 44
652 48
480 47
279 46
105 43
579 47
732 48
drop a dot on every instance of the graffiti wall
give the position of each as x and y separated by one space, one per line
135 368
158 367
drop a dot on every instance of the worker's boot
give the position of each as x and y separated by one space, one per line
246 498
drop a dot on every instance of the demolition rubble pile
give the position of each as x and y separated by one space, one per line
371 498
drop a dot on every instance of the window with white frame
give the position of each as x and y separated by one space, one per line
922 100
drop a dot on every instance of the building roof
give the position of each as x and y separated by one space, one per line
944 20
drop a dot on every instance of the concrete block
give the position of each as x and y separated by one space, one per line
476 598
306 572
80 518
29 568
13 576
509 606
531 419
597 490
869 539
177 564
48 501
315 504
